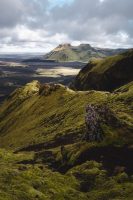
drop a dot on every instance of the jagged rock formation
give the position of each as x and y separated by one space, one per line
107 74
83 53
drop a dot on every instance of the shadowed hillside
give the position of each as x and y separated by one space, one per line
107 74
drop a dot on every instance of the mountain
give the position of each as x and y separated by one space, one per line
48 154
83 53
107 74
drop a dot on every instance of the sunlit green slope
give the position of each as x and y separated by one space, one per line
54 114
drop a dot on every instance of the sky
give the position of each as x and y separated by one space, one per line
41 25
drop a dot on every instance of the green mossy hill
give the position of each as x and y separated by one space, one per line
54 115
51 113
42 128
83 53
107 74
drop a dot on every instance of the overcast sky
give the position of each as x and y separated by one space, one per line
40 25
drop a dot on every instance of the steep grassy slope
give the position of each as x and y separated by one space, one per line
83 52
54 115
44 113
107 74
45 126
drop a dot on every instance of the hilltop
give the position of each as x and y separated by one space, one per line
107 74
83 53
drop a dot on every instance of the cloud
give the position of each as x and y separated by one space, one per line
42 24
11 12
88 19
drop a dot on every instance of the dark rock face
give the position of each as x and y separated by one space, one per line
107 74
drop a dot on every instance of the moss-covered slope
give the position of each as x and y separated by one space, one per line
53 115
107 74
33 115
45 126
36 181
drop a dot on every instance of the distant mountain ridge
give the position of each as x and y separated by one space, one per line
83 52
